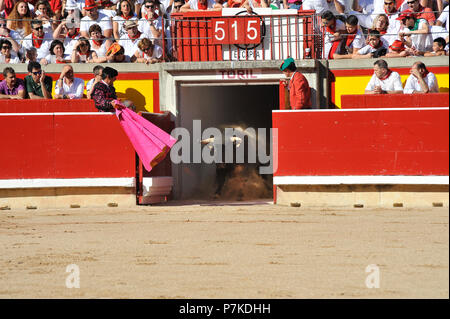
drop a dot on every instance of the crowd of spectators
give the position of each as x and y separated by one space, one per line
101 31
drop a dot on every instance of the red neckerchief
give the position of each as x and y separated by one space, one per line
77 32
60 62
388 74
154 14
383 32
350 38
390 13
97 43
425 74
135 37
37 42
126 18
379 45
258 2
332 30
202 6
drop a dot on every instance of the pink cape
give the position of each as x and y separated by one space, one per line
150 142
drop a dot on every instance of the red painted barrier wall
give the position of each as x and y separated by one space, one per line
47 106
394 100
359 142
64 146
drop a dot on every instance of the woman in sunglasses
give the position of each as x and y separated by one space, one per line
147 52
6 53
20 18
82 52
10 35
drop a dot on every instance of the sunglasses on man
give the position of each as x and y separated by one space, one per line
39 28
3 25
37 73
6 47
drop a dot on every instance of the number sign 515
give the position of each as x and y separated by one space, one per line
245 30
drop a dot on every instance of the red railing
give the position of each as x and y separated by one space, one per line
193 37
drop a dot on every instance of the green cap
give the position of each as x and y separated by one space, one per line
286 63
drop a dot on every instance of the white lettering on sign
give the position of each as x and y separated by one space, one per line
238 74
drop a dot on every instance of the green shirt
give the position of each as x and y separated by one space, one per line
35 88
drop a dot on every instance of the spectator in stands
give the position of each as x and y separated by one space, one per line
82 53
44 13
419 10
38 85
292 4
125 12
94 17
130 40
415 33
98 69
7 55
104 93
68 86
38 39
19 19
196 5
384 81
10 35
251 4
177 4
147 52
116 54
11 87
299 90
333 30
30 55
394 25
57 54
56 8
375 49
352 40
150 25
441 28
438 48
420 80
68 33
381 23
99 43
335 6
398 49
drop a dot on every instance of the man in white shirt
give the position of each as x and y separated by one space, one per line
94 17
384 81
374 49
420 80
130 40
37 39
333 30
415 32
68 86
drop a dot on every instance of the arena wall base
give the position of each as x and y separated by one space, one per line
363 196
67 197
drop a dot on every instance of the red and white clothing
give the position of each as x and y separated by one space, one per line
70 41
14 59
103 21
51 59
145 28
392 82
425 13
196 5
370 49
321 6
421 42
42 45
412 84
355 41
157 53
101 51
130 45
120 20
299 92
330 44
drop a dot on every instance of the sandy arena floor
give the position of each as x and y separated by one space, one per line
239 250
